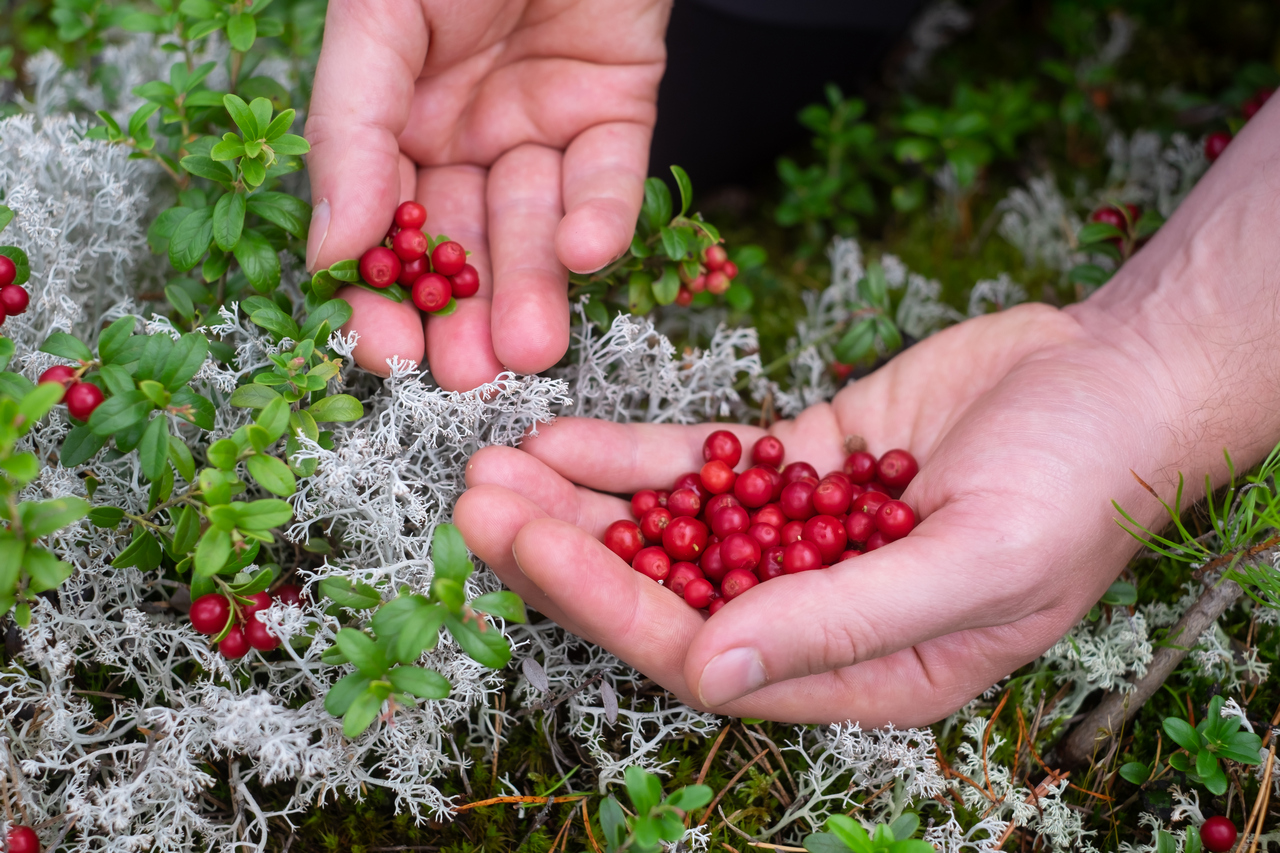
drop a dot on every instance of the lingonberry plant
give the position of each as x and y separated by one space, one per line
653 819
846 835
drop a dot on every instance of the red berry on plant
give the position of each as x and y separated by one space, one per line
257 601
1216 143
801 556
643 501
722 445
289 594
768 451
685 538
770 514
730 269
1254 104
792 531
832 497
876 540
771 564
766 534
730 520
1111 216
896 468
431 292
680 575
409 244
81 399
57 373
797 500
868 502
235 644
22 839
827 532
8 271
754 487
717 283
697 284
654 522
623 538
410 214
684 502
259 636
895 519
379 267
684 297
714 257
466 282
859 526
736 582
14 299
740 551
698 592
652 562
1218 834
717 477
209 613
712 565
410 271
448 258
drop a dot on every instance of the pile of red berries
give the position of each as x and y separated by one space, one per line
22 839
81 397
13 297
715 274
718 533
210 614
434 274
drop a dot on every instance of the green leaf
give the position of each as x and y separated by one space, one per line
280 125
180 456
674 244
253 396
153 450
46 571
449 557
888 333
274 418
1216 782
643 788
272 474
1242 747
686 188
1182 733
254 172
79 446
290 213
119 413
613 822
857 343
1120 594
503 604
420 634
13 384
657 203
667 287
905 826
212 552
423 683
242 116
186 530
6 216
192 407
690 797
106 517
184 360
117 379
261 109
290 144
1088 274
342 694
229 148
335 312
228 220
65 346
12 550
242 29
640 293
209 168
1098 232
20 262
1180 762
259 261
37 402
45 517
276 321
850 832
336 408
112 343
21 467
361 714
191 239
262 514
341 592
361 651
1135 772
488 647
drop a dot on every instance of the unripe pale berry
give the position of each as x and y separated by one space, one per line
466 282
623 538
684 297
379 267
717 283
14 299
410 214
730 269
722 445
431 292
81 399
448 258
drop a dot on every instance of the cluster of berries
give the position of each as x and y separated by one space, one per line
715 274
210 615
81 397
13 297
718 533
22 839
1217 142
434 274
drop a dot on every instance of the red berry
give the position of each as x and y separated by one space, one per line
849 555
259 636
1254 104
868 502
717 503
684 297
859 526
797 500
22 839
717 477
896 468
698 592
684 502
13 298
768 451
692 480
257 601
663 497
736 582
379 267
697 284
652 562
466 282
792 531
840 477
1218 834
717 283
411 271
654 522
643 501
410 214
730 520
289 594
680 575
8 271
623 538
81 399
828 534
770 514
877 486
766 534
209 613
801 556
57 373
754 487
895 519
740 551
685 538
722 445
860 467
448 258
431 292
711 564
876 540
391 235
771 564
713 607
409 244
235 644
714 257
1110 216
1214 144
730 269
798 471
832 497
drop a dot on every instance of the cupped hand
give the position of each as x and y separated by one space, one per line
1026 427
523 126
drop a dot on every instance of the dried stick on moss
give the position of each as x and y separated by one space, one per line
1103 723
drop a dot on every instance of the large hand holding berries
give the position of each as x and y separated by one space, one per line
717 534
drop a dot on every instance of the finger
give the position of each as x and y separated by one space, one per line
604 172
530 287
373 52
386 330
460 345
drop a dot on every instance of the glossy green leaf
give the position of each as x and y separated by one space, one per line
423 683
272 474
228 220
344 692
488 647
45 517
79 446
45 570
65 346
253 396
153 450
503 604
361 596
686 188
119 413
336 408
258 260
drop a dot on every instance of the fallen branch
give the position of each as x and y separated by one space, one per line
493 801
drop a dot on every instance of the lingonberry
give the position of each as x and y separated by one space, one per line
8 271
877 486
832 497
754 487
766 534
259 636
736 582
717 477
14 299
714 257
410 214
770 514
410 271
57 373
717 503
839 477
431 292
860 467
643 501
653 522
257 601
1110 216
697 593
740 551
409 244
711 564
1254 104
681 574
895 519
684 297
717 283
876 540
685 538
896 469
722 445
771 564
697 284
209 613
391 235
379 266
859 526
235 644
1214 144
714 605
798 471
448 258
684 502
466 282
652 562
730 269
289 594
849 555
768 451
730 520
623 538
663 497
797 500
828 534
692 480
792 531
1218 834
81 399
801 556
21 839
868 502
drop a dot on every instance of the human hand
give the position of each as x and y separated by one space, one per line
523 126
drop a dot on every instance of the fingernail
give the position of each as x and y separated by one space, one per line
731 674
516 557
319 225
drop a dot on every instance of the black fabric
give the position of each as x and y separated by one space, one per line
737 75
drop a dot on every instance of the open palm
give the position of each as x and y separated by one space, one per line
523 126
1016 419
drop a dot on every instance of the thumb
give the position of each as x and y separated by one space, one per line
373 52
